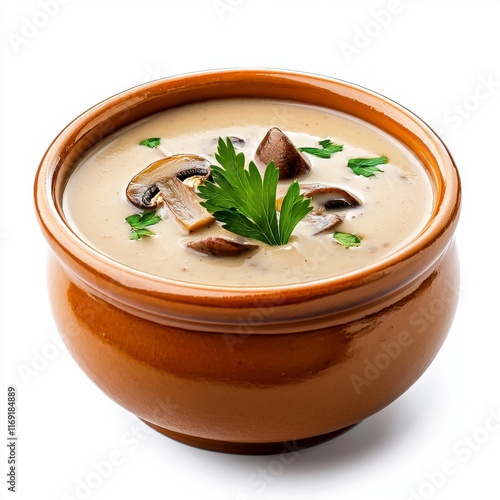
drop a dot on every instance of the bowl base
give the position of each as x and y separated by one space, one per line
249 448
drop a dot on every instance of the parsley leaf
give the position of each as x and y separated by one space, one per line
138 234
330 146
320 153
347 239
152 142
328 149
366 166
139 222
245 202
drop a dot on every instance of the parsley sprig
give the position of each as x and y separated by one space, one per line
347 239
139 222
245 202
152 142
328 148
367 166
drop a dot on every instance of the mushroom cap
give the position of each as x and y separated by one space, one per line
277 147
142 190
325 197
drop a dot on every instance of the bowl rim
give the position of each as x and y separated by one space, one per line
66 242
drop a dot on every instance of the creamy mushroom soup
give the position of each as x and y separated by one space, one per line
382 206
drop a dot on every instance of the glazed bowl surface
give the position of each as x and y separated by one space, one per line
251 370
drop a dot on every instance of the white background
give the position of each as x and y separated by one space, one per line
439 58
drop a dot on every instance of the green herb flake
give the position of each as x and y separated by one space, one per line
367 167
329 146
245 202
320 153
347 239
328 149
152 142
139 222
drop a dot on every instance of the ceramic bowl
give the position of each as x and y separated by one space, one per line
309 360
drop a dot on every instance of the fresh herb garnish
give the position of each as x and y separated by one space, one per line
152 142
320 153
347 239
139 222
328 149
366 166
330 146
246 203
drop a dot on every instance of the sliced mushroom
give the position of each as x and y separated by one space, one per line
184 204
220 247
329 197
277 147
238 142
321 222
194 181
142 190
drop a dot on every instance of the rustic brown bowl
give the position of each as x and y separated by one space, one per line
252 370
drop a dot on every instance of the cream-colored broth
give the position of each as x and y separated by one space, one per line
396 202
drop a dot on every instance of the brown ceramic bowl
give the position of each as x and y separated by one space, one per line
309 360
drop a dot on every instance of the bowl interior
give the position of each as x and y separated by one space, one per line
139 102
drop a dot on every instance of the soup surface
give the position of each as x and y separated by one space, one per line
396 202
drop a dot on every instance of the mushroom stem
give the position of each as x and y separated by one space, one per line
326 197
184 204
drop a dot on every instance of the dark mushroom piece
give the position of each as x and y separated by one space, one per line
220 247
277 147
142 190
321 222
329 197
184 204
